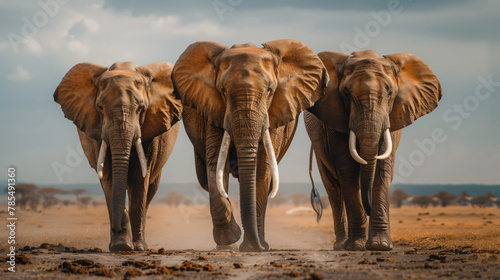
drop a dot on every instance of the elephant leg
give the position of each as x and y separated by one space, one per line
138 192
336 199
120 241
226 231
348 172
379 233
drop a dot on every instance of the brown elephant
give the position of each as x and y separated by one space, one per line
241 107
115 109
366 104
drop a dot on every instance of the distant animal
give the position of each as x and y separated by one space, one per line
115 110
355 130
424 200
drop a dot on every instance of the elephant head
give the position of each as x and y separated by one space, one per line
368 97
246 91
119 107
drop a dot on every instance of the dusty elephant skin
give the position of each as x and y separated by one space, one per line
355 130
116 111
240 112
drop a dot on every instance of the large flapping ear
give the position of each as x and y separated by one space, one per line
194 77
164 109
419 90
77 96
301 80
331 108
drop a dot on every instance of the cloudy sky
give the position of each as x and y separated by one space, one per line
41 40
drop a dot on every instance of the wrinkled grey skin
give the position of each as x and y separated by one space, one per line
367 95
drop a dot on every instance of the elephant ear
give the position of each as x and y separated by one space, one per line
194 77
301 79
419 90
77 96
164 109
331 109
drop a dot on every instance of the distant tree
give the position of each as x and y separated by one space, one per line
24 193
445 198
174 198
464 198
65 202
483 201
422 200
299 199
398 196
48 195
84 201
33 201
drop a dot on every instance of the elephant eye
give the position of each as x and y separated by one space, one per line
141 107
99 106
390 92
347 92
269 89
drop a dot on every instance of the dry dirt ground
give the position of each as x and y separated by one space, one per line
447 243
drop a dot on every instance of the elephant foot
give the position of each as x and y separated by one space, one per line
380 242
339 244
245 246
230 247
355 244
140 245
227 234
121 241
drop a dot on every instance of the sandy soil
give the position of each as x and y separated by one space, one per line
451 243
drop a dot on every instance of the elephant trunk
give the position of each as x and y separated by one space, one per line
368 131
120 146
247 133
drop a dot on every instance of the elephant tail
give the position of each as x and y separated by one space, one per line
315 197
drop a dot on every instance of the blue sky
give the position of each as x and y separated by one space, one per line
41 40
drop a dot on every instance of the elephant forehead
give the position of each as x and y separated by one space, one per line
121 76
246 55
130 66
380 65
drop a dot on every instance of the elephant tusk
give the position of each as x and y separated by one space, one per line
352 148
388 148
268 145
100 158
142 157
221 164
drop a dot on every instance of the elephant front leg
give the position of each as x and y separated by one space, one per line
379 233
119 241
226 231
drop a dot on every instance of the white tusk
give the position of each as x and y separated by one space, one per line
388 145
268 145
352 148
100 158
142 157
221 164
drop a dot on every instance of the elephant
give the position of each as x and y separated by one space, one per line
115 109
367 102
241 108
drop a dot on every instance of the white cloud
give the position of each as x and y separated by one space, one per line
20 75
78 47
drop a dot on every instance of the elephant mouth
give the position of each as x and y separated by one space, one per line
225 152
